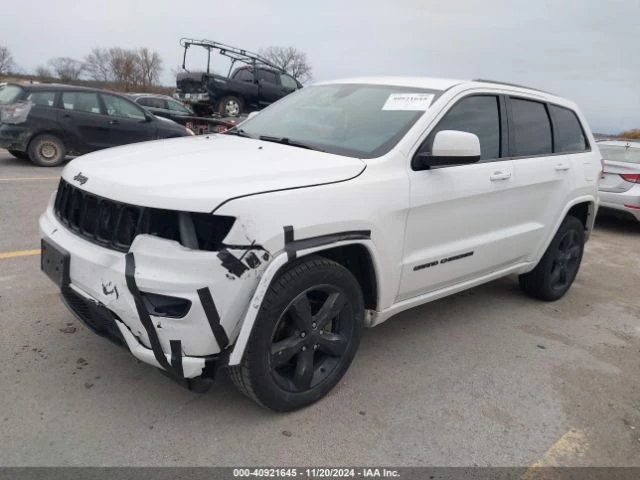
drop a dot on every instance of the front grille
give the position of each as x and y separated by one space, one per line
115 225
96 317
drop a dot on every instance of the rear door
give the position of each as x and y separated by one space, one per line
460 214
127 121
83 121
547 145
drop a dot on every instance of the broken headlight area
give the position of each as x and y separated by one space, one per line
115 225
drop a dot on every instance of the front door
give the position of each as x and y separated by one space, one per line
270 88
460 215
127 121
82 120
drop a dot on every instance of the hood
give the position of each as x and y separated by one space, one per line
199 173
165 123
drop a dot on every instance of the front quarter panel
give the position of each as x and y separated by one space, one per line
376 201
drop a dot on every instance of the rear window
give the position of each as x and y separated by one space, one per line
244 75
569 136
532 128
81 102
10 93
267 76
620 153
44 99
151 102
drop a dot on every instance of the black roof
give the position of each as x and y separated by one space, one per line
60 87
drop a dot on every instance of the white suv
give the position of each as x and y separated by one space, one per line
267 249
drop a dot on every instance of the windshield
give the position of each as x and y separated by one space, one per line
10 93
178 107
620 153
362 121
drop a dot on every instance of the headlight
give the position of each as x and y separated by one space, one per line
189 131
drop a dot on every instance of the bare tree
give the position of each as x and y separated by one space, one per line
291 60
6 61
98 64
124 67
67 69
43 73
150 66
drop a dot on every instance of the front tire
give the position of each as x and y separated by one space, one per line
305 337
559 265
47 151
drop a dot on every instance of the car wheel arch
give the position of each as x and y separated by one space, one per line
583 208
281 263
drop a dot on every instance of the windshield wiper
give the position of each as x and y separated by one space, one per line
288 141
237 131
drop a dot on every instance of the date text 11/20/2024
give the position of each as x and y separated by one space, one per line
315 472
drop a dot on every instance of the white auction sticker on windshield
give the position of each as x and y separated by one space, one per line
408 101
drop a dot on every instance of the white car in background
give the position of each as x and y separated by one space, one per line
620 183
267 249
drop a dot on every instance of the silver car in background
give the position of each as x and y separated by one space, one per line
620 182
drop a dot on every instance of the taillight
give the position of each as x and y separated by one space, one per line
631 177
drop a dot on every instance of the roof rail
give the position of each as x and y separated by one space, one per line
484 80
234 53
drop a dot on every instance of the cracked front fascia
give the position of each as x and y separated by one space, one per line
191 270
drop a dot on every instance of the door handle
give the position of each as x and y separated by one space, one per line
500 176
113 122
562 167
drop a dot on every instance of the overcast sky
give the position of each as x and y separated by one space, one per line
582 49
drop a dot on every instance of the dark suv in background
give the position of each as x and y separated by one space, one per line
253 86
47 122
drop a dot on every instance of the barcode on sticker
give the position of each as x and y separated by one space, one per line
408 101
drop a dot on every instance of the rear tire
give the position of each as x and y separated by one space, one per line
559 265
230 106
19 154
47 151
305 337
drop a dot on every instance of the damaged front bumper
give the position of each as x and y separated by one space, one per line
108 291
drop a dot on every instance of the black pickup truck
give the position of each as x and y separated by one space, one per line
254 85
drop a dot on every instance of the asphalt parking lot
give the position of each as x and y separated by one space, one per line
485 377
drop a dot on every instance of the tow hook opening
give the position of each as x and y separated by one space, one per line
165 306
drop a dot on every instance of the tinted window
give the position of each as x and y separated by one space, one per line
479 115
45 99
81 102
531 128
568 132
152 102
288 82
268 76
119 107
244 75
177 106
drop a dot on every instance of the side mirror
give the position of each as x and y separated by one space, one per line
148 117
451 147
